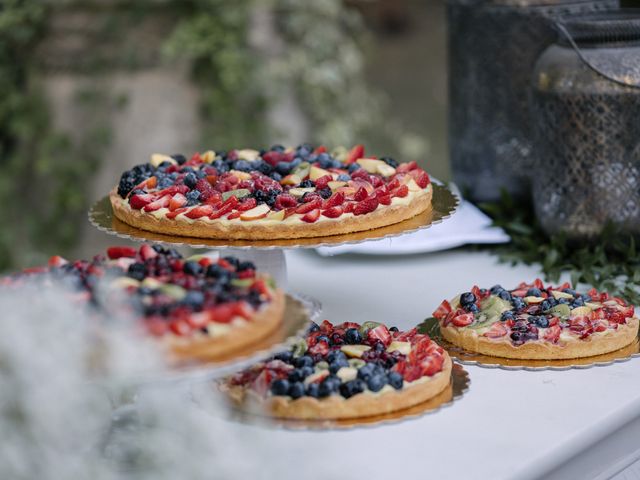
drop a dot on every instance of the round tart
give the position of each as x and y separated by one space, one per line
344 371
273 194
200 308
537 322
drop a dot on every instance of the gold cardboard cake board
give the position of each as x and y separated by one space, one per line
444 204
457 387
432 328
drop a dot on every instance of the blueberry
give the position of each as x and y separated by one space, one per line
246 266
307 184
322 338
220 166
325 193
298 374
328 386
303 361
394 329
190 180
379 347
276 176
165 182
296 390
242 166
280 387
295 162
304 150
277 148
192 268
531 335
546 305
472 307
518 303
352 336
534 292
351 388
343 177
496 289
564 301
283 168
376 382
338 364
395 380
194 299
216 271
353 167
181 159
578 302
233 261
324 160
542 321
262 167
137 271
336 355
508 315
504 295
313 390
192 197
570 291
285 356
366 371
313 328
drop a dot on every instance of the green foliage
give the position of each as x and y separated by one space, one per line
611 262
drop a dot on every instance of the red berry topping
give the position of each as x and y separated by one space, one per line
366 206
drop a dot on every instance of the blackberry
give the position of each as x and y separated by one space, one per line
127 182
352 336
277 148
467 298
325 193
389 161
181 159
307 184
262 167
246 266
192 268
137 271
233 261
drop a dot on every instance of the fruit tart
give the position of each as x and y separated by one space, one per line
534 321
344 371
270 194
199 307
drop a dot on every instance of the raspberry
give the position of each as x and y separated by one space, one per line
323 181
401 191
361 194
335 200
285 200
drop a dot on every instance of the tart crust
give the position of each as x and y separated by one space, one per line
254 230
541 350
336 407
207 349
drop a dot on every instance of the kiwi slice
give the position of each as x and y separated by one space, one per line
239 193
560 310
366 326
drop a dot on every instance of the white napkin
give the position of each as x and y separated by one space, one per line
467 225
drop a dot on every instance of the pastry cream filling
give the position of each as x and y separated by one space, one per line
293 219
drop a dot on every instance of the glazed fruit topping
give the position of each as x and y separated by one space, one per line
345 359
169 293
532 312
305 181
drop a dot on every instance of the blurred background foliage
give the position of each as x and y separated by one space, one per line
315 52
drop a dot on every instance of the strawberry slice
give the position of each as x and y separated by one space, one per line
139 201
406 167
497 330
243 309
432 365
312 216
323 181
289 211
366 206
225 208
354 154
180 327
314 204
222 313
175 213
199 211
247 204
380 333
117 252
273 158
421 177
158 204
234 215
334 200
147 252
553 333
463 320
320 149
443 310
213 198
262 383
412 372
177 201
58 261
333 212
